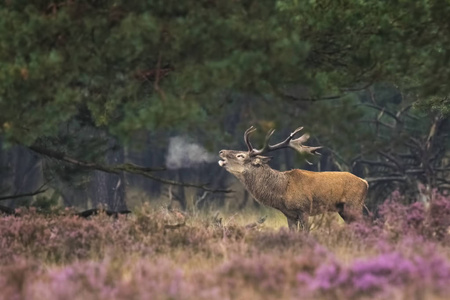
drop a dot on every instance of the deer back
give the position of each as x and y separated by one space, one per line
317 192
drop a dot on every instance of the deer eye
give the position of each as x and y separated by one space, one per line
240 156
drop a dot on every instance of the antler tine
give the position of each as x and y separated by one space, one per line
246 137
286 142
297 144
266 146
266 140
296 130
269 135
310 150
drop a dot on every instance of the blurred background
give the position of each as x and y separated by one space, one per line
120 103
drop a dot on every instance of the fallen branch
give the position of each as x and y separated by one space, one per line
7 210
174 226
256 224
96 211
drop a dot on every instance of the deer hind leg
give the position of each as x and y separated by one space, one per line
349 213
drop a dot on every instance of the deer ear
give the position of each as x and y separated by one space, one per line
260 160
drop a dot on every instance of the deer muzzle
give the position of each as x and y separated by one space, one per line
223 161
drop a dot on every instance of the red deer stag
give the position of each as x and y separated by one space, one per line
298 194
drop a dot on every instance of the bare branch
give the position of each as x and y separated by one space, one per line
384 179
377 163
404 110
443 180
377 122
116 169
39 191
313 99
127 167
391 158
383 110
415 171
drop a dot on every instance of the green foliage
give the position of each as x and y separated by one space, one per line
164 64
435 104
45 204
41 203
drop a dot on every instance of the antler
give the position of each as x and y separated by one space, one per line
296 144
247 140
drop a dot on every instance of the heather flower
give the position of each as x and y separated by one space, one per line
428 220
439 216
330 276
386 268
378 274
176 283
415 215
369 282
66 257
370 232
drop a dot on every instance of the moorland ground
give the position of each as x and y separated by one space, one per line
403 253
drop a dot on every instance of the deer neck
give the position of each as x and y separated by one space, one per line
267 186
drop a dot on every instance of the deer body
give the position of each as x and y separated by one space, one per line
298 194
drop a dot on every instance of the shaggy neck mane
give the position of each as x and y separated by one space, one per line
267 185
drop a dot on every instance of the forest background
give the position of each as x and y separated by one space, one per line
116 103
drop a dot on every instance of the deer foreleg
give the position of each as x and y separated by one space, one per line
293 224
298 222
303 221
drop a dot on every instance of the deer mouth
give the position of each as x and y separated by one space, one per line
222 163
223 160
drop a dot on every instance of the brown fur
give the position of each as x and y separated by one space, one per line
298 194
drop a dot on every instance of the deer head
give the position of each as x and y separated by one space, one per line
238 162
